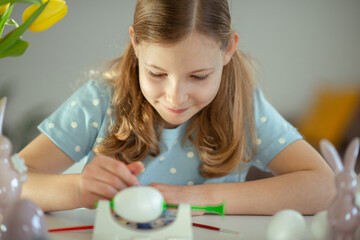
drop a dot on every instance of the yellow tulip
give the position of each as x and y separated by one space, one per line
3 8
53 12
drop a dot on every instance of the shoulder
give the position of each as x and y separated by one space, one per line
98 87
273 131
95 92
264 112
260 102
77 123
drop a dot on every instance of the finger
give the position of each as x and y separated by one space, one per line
105 191
197 213
136 168
119 169
102 175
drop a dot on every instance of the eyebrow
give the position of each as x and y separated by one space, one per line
195 71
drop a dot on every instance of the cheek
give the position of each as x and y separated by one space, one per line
148 88
211 94
212 88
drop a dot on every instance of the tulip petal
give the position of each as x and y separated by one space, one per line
12 36
4 8
53 13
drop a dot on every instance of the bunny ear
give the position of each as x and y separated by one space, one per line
331 155
351 155
2 112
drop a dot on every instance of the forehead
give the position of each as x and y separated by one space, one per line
192 51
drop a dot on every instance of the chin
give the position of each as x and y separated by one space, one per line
173 123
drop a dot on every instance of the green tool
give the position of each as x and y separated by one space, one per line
218 209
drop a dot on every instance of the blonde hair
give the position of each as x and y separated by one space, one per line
221 131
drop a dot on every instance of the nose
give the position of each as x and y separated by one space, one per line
177 93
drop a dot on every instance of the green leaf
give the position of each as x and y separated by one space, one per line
38 2
11 22
4 17
12 36
17 49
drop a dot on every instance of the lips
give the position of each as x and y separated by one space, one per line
177 111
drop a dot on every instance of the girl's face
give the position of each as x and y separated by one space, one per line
179 80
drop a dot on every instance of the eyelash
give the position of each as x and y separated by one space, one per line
156 75
200 77
160 76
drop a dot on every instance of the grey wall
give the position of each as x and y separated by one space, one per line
299 46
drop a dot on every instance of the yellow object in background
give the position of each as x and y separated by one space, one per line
330 116
3 8
54 12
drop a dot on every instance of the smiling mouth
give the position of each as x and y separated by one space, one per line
178 111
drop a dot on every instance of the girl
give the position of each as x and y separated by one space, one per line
178 111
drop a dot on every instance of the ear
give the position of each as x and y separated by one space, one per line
351 155
331 155
231 48
133 40
2 112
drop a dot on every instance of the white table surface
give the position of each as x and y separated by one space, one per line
250 227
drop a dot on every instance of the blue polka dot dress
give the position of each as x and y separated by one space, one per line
81 123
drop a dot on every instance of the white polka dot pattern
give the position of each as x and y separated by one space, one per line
82 122
95 124
74 124
79 124
96 102
77 148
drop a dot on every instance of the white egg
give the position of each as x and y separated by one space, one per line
286 224
320 227
139 204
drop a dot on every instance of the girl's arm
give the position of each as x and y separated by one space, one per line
303 182
52 191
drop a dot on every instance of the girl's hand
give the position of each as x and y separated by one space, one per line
103 177
176 194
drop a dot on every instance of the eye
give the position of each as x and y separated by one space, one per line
157 75
203 77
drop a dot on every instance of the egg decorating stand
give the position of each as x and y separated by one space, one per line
107 227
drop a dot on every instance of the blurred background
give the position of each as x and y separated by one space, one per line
307 54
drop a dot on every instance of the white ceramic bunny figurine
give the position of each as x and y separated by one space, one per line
343 213
19 218
10 184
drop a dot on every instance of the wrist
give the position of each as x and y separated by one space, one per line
77 192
